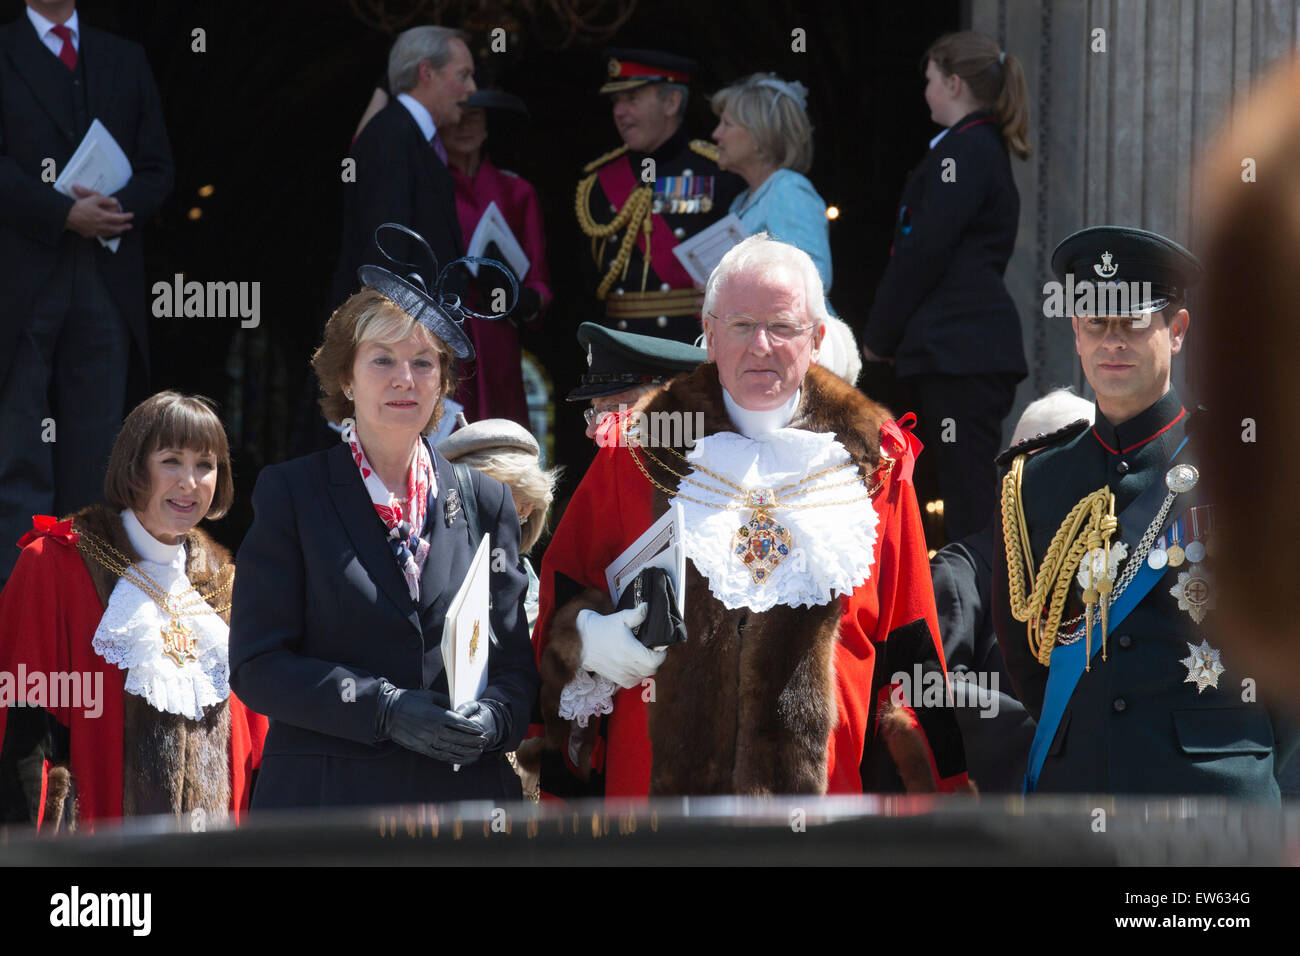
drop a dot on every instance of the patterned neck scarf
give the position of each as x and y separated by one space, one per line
404 523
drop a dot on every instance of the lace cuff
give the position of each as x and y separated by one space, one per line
587 695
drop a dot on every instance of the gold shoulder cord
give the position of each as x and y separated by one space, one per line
705 148
1090 524
635 216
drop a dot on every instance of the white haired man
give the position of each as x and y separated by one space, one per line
807 595
401 170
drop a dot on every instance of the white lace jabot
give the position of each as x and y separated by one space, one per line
832 547
129 634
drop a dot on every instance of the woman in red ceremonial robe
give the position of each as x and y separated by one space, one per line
114 679
495 389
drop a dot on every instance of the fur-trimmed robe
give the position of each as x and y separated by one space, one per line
791 700
63 768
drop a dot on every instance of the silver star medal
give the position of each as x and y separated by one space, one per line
1203 666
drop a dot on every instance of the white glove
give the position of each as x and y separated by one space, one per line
611 649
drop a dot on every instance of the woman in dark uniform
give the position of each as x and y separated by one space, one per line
942 314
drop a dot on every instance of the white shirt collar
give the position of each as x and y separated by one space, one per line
942 133
422 117
44 26
145 544
753 424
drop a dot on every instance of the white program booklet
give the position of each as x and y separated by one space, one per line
465 632
701 253
98 164
659 546
492 227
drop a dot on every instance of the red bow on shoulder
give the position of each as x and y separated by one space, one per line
47 526
904 446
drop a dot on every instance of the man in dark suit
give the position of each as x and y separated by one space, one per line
73 320
401 170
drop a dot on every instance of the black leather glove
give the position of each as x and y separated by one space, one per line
491 717
420 721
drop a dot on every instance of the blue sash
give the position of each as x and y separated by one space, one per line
1068 660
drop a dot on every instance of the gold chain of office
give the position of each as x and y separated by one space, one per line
179 641
744 500
1088 526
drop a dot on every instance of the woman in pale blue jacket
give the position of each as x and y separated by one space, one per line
764 136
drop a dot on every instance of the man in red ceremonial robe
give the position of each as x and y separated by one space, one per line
809 613
495 388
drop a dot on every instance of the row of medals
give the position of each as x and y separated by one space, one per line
1194 588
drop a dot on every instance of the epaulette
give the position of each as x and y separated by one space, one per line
1042 441
602 160
705 148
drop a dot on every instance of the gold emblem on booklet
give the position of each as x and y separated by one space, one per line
473 642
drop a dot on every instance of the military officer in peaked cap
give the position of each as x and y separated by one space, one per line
623 366
634 212
1104 575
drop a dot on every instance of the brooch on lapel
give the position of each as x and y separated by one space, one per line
451 508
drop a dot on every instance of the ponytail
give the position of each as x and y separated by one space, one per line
996 81
1012 107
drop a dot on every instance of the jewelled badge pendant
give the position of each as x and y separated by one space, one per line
762 542
179 643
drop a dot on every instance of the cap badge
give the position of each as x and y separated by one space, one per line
1106 268
589 356
615 67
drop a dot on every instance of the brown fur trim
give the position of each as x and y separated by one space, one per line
827 404
560 662
172 764
528 763
747 704
60 801
908 747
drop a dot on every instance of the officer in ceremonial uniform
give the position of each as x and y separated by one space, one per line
1104 570
623 366
634 212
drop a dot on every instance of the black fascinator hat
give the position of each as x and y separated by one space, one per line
438 311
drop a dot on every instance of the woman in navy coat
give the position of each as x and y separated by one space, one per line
942 314
352 560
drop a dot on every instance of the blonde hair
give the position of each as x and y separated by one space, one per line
531 487
996 80
370 316
773 112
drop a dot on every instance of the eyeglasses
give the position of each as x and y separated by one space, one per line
592 413
778 333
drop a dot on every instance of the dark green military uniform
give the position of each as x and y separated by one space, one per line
1138 721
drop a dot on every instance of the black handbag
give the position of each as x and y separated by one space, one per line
663 625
